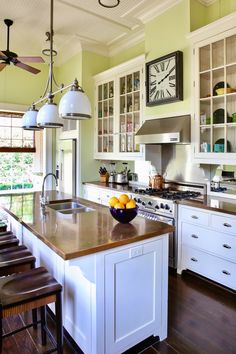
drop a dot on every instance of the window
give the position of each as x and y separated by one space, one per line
12 137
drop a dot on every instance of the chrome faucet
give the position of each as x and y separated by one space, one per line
43 200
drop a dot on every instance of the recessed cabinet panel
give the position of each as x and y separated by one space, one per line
231 49
218 54
204 56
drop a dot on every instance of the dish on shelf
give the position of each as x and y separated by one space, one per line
219 146
222 91
219 116
219 85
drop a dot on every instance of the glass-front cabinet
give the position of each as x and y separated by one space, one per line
118 110
215 99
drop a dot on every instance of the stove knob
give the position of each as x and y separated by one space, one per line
139 200
162 206
143 203
167 207
157 206
149 203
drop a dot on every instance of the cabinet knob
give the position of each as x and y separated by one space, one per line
226 272
194 259
227 225
194 217
227 246
194 236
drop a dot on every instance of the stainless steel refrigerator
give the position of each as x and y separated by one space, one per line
67 166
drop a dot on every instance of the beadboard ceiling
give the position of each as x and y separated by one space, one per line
77 24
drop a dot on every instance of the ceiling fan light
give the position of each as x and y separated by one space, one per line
109 3
75 105
29 120
48 116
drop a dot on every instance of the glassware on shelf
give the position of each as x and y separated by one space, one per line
111 89
129 143
136 81
122 143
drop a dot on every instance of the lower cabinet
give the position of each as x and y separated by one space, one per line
207 244
99 195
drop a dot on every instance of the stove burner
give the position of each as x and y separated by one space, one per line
166 193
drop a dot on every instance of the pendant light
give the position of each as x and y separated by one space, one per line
109 3
29 119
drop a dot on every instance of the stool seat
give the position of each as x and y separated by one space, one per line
2 233
30 285
8 241
12 257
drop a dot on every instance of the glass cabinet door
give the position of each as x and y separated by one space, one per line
105 117
217 96
129 111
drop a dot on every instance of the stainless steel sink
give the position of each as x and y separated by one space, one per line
69 207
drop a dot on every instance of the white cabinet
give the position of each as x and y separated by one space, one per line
99 195
207 244
119 110
108 308
214 91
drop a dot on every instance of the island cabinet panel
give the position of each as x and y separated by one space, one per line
117 298
207 244
133 293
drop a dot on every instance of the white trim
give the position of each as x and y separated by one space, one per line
157 10
207 2
130 64
13 107
126 43
167 115
223 24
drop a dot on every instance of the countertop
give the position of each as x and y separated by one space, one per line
210 202
75 235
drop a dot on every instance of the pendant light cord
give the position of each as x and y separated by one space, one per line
51 51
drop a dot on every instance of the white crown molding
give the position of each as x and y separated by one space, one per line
223 24
207 2
126 43
157 10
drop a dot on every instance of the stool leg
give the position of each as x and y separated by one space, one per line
59 324
1 330
43 325
35 318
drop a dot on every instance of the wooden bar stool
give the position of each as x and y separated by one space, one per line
31 290
15 259
8 241
4 233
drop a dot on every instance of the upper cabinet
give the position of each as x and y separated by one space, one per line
214 65
119 95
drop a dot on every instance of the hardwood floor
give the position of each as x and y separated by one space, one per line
202 320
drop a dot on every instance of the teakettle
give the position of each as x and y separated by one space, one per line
156 181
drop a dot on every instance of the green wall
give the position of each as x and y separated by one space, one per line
127 54
164 35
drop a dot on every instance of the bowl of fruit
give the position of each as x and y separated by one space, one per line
123 208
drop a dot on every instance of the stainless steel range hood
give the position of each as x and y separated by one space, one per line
173 130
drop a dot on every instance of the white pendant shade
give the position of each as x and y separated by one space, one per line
75 105
29 120
48 116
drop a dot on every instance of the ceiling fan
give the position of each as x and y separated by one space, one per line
7 57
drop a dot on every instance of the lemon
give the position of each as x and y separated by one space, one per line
124 199
131 204
119 206
113 201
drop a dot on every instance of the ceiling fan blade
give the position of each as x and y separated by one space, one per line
31 59
26 67
2 55
2 66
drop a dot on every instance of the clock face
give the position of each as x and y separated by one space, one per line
163 80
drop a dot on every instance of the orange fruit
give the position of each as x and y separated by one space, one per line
119 206
131 204
124 199
113 201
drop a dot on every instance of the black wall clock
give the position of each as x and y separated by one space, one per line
164 79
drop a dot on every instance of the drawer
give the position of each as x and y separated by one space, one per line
212 267
224 223
194 216
223 245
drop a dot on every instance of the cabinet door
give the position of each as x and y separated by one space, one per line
215 93
92 194
134 287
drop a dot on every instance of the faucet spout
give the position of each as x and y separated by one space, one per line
43 201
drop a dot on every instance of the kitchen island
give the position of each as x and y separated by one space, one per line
114 276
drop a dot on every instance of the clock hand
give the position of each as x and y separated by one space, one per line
167 75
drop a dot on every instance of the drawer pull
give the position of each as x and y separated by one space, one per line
227 246
226 272
194 217
227 225
194 236
194 259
